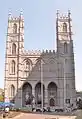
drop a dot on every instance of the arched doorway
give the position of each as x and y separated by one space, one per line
38 96
52 102
26 94
52 94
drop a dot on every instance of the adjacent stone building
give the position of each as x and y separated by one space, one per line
25 71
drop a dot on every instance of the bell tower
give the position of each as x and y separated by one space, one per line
65 52
14 50
64 33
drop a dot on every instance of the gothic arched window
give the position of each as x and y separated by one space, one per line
13 48
13 67
27 65
15 28
65 48
64 27
12 91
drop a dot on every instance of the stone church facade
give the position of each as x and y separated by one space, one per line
33 76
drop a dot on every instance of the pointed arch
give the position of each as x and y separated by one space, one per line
38 93
65 47
27 64
27 94
52 93
64 27
52 102
12 66
13 48
52 60
15 28
12 91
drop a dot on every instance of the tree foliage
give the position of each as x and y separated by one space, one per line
1 98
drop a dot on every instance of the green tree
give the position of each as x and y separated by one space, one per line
1 98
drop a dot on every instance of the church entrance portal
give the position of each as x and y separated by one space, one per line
52 102
38 96
26 94
52 94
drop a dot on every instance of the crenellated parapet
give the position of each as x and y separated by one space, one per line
38 52
13 18
32 52
48 51
64 17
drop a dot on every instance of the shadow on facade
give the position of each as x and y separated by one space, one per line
26 90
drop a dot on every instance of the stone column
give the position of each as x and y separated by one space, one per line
33 93
46 97
21 96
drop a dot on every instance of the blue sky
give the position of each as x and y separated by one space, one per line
39 16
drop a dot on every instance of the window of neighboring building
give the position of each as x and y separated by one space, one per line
64 27
13 48
15 28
